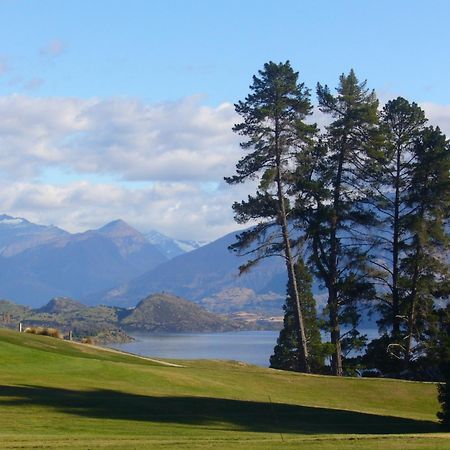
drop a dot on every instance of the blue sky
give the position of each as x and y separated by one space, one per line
164 50
124 108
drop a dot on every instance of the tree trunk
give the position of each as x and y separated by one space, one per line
395 254
333 303
409 339
412 309
336 357
303 349
303 356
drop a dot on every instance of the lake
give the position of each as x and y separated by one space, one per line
254 347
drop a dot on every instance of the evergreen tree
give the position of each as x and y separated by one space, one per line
425 274
285 355
332 205
273 124
436 345
390 178
410 191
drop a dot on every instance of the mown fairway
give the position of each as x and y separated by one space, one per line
54 394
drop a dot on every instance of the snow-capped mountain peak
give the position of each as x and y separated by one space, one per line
11 221
172 247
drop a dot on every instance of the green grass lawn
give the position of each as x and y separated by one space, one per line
54 394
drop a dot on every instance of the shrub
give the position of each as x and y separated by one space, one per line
44 331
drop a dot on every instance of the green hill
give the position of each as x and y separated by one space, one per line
11 310
62 305
57 394
156 313
163 312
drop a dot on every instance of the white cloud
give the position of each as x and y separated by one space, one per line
134 141
438 115
79 163
181 210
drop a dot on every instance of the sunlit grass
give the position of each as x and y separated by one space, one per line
56 394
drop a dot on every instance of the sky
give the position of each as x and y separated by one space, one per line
124 109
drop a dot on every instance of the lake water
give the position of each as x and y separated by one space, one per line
254 347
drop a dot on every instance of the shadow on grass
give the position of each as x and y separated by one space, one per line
212 412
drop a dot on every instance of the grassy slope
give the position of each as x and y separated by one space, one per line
56 394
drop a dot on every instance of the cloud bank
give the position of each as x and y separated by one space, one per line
163 164
165 142
79 163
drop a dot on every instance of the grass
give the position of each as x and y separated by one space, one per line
55 394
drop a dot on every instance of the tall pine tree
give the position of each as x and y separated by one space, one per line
332 207
425 270
409 189
273 124
402 124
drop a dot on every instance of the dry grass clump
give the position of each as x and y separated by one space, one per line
44 331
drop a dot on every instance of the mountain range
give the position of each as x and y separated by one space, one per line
117 265
209 276
38 262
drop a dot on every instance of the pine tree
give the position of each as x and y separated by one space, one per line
273 124
409 181
425 270
285 355
390 178
332 205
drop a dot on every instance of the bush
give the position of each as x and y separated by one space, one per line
44 331
377 357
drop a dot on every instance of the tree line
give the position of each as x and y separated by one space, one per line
360 205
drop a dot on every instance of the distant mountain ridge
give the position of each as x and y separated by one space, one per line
38 262
18 234
116 265
209 276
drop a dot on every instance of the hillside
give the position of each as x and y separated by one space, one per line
62 305
56 394
156 313
208 275
67 315
166 313
11 313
